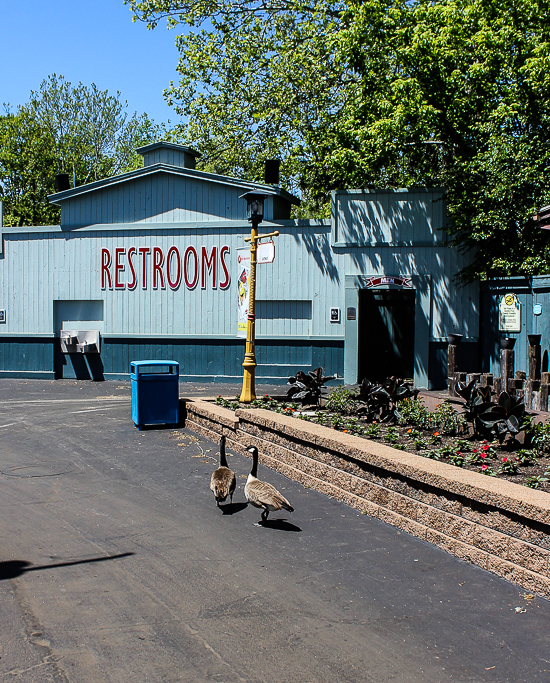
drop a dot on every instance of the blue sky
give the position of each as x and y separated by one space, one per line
88 41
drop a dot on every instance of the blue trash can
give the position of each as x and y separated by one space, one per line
155 392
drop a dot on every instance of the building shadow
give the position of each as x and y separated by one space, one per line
12 569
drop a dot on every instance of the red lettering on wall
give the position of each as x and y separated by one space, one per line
132 251
173 252
223 253
208 265
158 260
144 251
105 265
166 269
191 252
119 268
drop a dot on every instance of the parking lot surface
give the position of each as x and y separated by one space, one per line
116 565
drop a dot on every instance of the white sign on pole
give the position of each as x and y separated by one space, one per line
265 252
509 313
243 290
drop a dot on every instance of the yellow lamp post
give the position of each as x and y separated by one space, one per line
255 216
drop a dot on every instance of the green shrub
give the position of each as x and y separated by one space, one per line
446 420
341 400
413 412
539 434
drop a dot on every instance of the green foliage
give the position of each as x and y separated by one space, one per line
391 93
79 130
539 435
92 134
27 167
535 482
372 431
446 419
341 400
526 457
413 412
508 466
488 470
391 435
456 459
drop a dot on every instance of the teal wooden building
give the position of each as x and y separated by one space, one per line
144 266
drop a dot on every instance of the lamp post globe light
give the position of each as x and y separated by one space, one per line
255 213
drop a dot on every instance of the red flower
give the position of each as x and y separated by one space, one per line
345 431
504 459
436 433
475 450
484 467
483 455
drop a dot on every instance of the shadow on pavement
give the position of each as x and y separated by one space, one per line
233 508
280 524
11 569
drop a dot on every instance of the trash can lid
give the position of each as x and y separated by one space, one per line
154 362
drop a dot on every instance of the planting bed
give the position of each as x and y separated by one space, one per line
442 435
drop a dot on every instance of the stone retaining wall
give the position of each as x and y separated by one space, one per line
497 525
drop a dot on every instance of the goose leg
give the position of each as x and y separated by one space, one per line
265 513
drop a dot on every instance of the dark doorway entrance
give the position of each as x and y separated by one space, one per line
386 334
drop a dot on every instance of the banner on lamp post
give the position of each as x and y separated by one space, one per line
243 290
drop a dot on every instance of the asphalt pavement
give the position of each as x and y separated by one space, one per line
117 566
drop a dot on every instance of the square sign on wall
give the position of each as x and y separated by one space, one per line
2 315
334 315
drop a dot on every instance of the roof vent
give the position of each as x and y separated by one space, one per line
272 171
169 153
62 182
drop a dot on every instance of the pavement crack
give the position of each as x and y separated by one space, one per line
34 633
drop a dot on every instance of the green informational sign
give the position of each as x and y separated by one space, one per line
509 313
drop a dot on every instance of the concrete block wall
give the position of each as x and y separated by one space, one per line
495 524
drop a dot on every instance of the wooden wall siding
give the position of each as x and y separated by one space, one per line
40 268
409 217
222 359
295 315
161 198
26 355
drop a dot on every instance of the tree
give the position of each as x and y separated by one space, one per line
93 135
389 93
461 100
258 80
79 130
27 168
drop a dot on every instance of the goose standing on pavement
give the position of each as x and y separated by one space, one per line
260 494
223 480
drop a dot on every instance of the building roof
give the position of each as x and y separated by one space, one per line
180 170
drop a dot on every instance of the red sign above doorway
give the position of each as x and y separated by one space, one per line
377 280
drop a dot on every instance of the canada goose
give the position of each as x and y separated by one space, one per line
260 493
223 480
